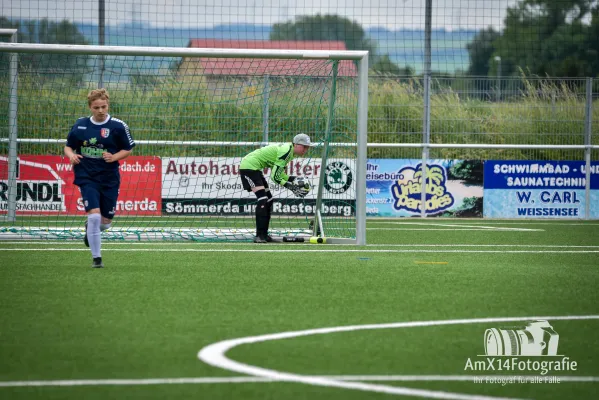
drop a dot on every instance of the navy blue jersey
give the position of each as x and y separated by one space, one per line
91 139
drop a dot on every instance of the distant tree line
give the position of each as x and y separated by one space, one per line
541 37
334 27
71 67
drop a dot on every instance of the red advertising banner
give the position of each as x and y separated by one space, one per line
45 186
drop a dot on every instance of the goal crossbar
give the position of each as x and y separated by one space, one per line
182 51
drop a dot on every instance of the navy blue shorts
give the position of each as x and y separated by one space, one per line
102 196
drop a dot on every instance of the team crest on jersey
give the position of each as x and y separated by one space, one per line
105 132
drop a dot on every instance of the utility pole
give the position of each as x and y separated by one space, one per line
498 93
101 25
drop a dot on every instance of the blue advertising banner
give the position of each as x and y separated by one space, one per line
539 189
394 187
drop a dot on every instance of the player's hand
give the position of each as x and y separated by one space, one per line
108 157
74 159
300 191
294 188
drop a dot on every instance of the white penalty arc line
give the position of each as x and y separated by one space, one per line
214 355
252 379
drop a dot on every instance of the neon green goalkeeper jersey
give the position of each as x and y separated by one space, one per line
273 156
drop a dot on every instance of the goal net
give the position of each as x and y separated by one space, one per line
193 113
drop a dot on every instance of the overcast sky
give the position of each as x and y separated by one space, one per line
392 14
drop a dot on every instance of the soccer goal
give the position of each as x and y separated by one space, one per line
193 113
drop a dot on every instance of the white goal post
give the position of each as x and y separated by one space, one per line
194 112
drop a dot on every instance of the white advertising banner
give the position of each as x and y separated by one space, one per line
218 178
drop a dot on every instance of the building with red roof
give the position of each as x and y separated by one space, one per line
221 67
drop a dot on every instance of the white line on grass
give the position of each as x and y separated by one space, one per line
448 228
214 355
498 228
162 250
481 228
130 382
483 221
253 379
192 243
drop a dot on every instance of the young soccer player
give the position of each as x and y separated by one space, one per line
94 146
276 157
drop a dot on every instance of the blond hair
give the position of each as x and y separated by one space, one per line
97 94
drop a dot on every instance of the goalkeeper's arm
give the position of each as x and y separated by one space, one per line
278 175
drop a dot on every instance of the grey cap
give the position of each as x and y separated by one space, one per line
302 138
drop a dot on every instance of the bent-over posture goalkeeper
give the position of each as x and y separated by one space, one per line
276 157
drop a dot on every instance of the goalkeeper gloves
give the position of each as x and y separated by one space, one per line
300 189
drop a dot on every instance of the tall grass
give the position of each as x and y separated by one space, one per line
538 112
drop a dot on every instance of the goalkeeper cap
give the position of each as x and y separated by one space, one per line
302 138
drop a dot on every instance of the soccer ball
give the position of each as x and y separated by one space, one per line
306 187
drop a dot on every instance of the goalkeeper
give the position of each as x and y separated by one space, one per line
276 157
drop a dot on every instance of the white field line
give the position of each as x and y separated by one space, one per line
499 228
449 228
214 355
485 221
457 378
479 228
192 243
253 379
131 382
192 219
304 250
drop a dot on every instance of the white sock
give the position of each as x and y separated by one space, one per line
103 227
93 234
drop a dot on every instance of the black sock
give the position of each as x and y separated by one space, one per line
261 213
261 226
267 222
269 209
269 201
